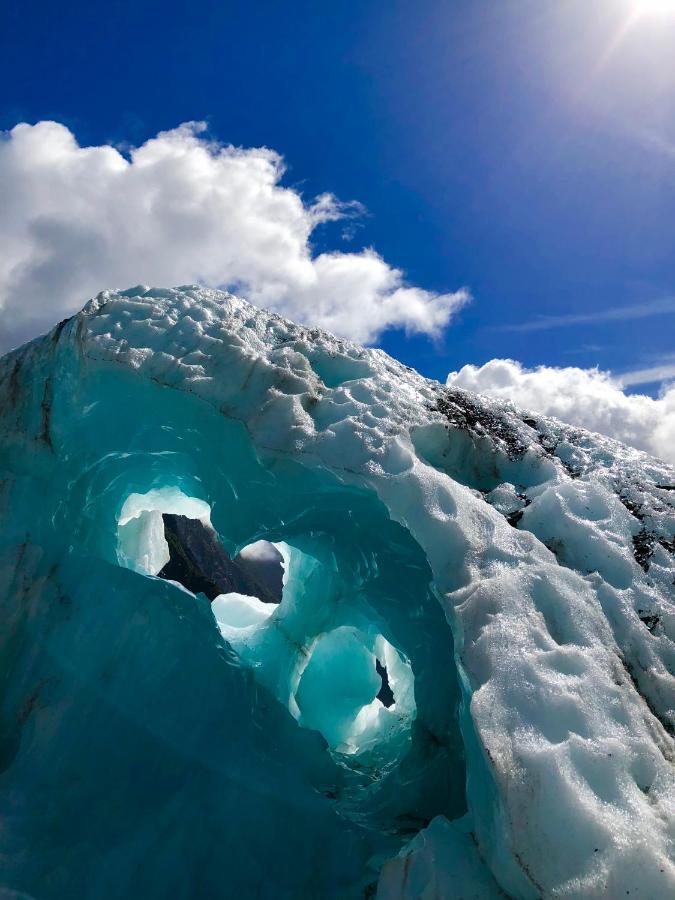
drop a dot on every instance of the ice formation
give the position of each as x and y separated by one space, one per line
466 689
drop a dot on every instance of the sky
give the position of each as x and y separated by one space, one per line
458 182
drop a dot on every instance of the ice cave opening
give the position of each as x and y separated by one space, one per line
331 644
347 682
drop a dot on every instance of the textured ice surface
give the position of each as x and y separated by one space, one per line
512 576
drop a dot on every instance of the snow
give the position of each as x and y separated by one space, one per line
514 574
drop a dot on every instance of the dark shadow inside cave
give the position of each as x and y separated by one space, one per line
199 562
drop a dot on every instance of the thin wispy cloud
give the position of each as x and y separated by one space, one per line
664 371
661 307
584 348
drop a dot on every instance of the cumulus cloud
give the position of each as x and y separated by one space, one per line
180 209
586 397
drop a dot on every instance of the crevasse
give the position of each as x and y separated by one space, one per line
508 577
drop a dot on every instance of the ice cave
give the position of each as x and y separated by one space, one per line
284 619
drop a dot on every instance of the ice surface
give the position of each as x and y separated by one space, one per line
513 575
339 680
441 861
140 529
239 611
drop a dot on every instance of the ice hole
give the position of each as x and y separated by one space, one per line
339 680
141 542
265 564
385 695
165 532
341 687
199 561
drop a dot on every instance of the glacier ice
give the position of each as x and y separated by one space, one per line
141 542
508 579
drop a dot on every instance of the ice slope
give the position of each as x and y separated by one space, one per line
514 575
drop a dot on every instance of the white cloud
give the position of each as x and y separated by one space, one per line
586 397
181 209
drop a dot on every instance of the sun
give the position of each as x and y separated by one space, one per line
642 8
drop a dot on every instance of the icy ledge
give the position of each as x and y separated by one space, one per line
513 577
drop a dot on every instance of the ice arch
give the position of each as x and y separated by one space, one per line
348 564
333 676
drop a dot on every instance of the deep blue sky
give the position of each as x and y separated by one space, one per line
499 145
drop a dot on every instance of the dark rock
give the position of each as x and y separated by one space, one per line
515 517
200 563
385 695
643 548
649 619
466 412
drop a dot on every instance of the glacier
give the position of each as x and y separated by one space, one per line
466 688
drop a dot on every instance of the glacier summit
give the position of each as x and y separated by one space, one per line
464 688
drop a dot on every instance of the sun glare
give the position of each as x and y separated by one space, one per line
643 8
